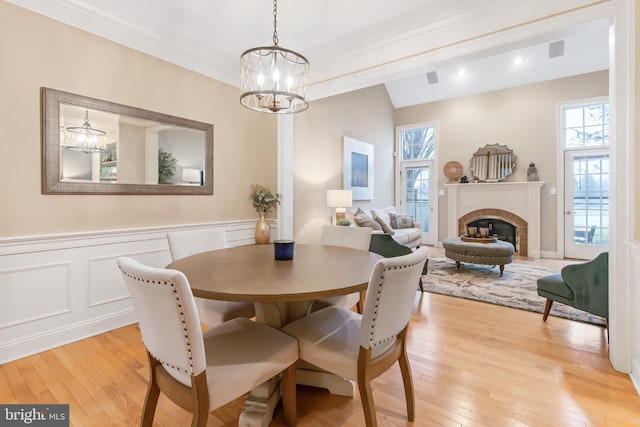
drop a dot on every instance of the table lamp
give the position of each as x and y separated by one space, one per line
339 199
192 176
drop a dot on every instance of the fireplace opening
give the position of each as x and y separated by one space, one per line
503 230
519 238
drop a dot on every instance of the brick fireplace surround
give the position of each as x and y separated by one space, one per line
522 241
515 202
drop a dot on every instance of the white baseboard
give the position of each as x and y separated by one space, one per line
26 346
549 254
635 374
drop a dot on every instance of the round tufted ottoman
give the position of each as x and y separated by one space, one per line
495 253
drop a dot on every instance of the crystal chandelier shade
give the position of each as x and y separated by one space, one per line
85 138
274 79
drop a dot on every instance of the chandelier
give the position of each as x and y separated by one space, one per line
274 79
85 138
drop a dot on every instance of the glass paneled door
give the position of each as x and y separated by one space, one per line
416 182
417 199
586 209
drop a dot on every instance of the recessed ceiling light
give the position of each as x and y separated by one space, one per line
518 60
462 73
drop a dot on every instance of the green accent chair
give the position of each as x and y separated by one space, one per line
385 245
583 286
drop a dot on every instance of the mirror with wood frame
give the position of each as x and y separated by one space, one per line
492 163
91 146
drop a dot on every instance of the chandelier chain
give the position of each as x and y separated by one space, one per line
275 22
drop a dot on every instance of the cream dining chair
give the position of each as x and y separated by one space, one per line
362 347
189 242
202 371
347 237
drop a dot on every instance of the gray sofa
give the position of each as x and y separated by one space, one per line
409 236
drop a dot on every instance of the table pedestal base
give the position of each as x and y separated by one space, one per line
335 384
260 404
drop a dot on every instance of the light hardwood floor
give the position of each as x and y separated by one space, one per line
473 364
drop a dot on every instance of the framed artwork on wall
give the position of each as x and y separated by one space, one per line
358 168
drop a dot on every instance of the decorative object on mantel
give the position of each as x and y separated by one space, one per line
452 170
263 200
532 172
274 79
492 163
464 179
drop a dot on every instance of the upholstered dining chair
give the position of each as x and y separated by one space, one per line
189 242
362 347
202 371
346 237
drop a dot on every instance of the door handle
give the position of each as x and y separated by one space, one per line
568 212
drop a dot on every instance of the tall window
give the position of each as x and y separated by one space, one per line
418 143
417 152
586 125
585 129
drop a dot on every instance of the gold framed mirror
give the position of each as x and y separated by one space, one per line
492 163
91 146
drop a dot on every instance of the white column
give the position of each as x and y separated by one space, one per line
285 176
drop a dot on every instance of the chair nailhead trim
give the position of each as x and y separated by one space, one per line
184 324
375 311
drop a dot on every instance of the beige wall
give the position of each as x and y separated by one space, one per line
366 115
38 51
524 118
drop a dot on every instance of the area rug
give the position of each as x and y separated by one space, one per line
516 288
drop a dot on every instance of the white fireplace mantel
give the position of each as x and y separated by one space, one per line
519 198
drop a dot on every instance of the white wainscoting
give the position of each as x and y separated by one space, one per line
61 288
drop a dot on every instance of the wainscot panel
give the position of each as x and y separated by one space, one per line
61 288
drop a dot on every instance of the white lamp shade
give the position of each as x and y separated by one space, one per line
339 198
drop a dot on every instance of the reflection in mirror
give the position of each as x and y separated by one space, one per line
94 146
492 163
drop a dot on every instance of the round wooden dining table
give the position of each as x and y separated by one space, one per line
281 291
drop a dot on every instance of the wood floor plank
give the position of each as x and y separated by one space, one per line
473 364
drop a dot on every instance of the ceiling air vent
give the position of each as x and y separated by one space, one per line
432 77
556 49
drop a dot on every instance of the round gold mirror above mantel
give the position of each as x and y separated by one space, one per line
492 163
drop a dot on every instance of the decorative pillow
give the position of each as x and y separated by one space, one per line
384 213
365 220
385 227
400 221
